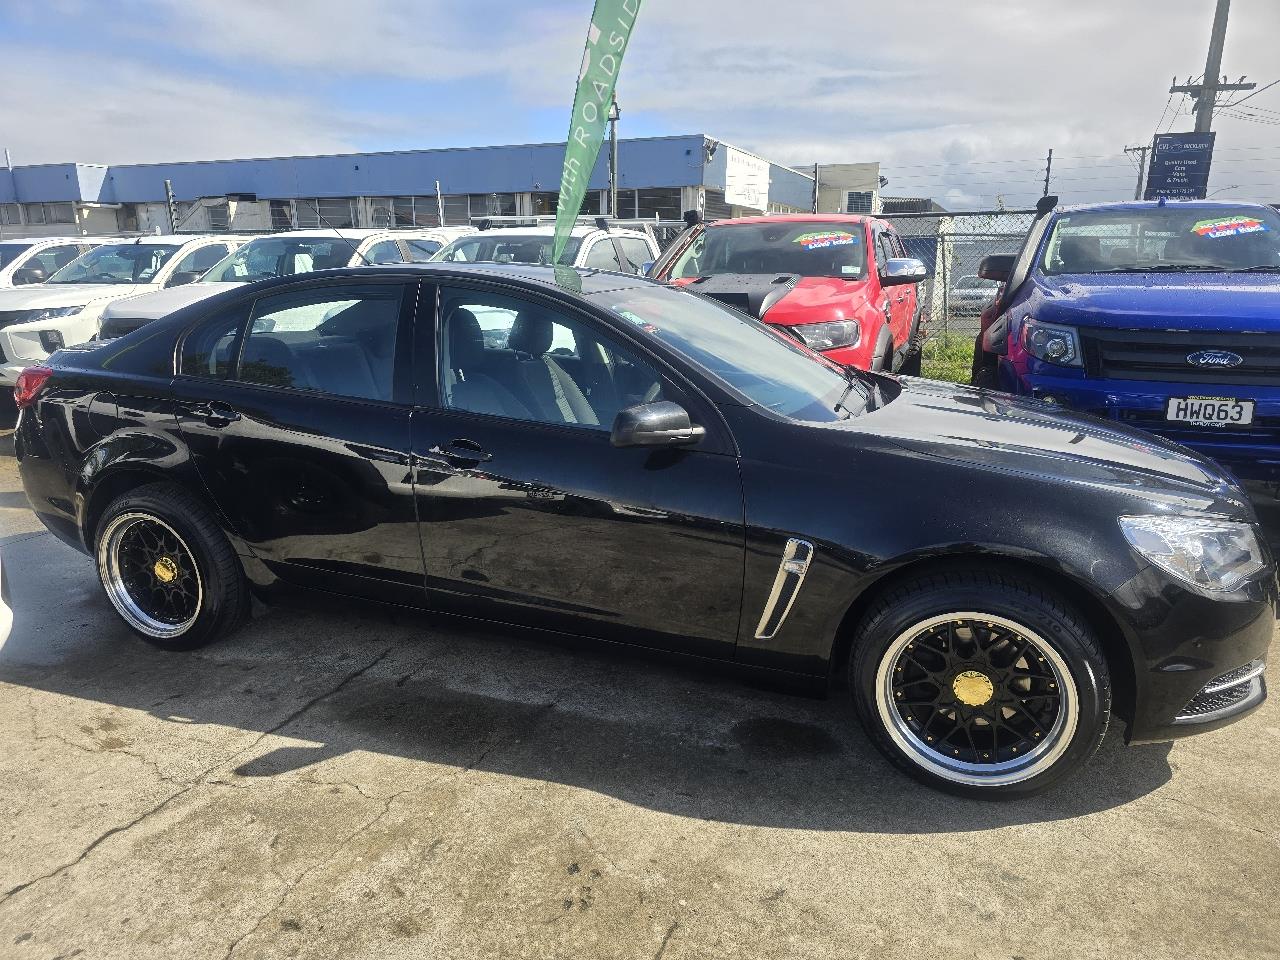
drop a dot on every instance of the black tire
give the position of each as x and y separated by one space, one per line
906 629
911 363
986 371
882 355
168 569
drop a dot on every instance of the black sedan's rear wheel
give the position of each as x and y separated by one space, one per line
167 568
980 683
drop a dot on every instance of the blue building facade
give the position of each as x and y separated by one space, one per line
659 177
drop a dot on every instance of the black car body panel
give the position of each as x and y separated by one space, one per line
670 548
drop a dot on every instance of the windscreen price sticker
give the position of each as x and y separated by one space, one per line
1210 411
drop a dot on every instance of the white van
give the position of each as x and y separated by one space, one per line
28 260
278 255
38 319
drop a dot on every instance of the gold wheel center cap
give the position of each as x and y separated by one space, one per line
166 570
972 688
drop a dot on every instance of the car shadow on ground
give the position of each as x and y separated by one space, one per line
337 678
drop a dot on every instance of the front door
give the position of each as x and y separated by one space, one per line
529 514
296 408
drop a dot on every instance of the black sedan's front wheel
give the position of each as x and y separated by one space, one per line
167 568
980 683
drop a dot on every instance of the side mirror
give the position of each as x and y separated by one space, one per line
658 424
183 277
32 274
997 267
900 270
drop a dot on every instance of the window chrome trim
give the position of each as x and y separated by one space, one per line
796 556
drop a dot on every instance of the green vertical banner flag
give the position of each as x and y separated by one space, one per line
607 39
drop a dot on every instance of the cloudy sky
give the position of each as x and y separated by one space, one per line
959 101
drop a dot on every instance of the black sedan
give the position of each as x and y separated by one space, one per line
600 455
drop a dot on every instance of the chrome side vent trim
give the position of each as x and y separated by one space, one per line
791 572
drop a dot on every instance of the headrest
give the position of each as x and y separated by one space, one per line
466 340
531 333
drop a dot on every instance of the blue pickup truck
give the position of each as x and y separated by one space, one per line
1163 315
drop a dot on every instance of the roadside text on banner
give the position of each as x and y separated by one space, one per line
607 39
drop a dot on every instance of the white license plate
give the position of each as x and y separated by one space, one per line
1210 411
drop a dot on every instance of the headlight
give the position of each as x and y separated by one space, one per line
48 313
1051 342
1210 555
830 335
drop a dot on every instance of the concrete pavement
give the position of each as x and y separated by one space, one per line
342 781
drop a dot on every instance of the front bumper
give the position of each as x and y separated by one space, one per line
1198 662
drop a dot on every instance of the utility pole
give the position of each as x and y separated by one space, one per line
1142 167
614 115
171 206
1048 169
1206 92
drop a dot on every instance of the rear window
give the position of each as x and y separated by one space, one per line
800 248
506 248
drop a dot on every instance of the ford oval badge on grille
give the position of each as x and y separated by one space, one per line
1214 358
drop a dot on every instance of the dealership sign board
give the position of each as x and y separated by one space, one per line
1179 167
746 180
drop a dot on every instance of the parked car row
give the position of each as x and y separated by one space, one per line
655 461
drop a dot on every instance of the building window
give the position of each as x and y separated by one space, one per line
716 208
327 212
546 204
859 201
492 204
388 213
457 211
35 212
10 213
60 213
219 216
281 215
660 203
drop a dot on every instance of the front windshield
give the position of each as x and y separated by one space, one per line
269 257
10 252
117 263
801 248
506 248
1169 238
765 367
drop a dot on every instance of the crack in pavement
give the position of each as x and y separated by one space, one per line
197 782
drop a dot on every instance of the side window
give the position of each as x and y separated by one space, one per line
198 261
884 249
420 251
384 251
895 244
339 340
55 258
602 256
513 358
210 349
637 251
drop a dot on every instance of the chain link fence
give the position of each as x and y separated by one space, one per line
952 245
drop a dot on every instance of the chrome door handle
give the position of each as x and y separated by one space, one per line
215 414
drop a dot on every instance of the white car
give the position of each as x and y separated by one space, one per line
590 247
64 310
29 260
277 255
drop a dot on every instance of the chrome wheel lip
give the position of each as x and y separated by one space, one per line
109 571
1001 774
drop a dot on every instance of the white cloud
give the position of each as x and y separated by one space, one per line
958 100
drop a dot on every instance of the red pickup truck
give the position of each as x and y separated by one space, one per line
841 284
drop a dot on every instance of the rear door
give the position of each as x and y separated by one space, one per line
529 514
296 407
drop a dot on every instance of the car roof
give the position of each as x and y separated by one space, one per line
166 239
591 280
549 231
1119 205
794 218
